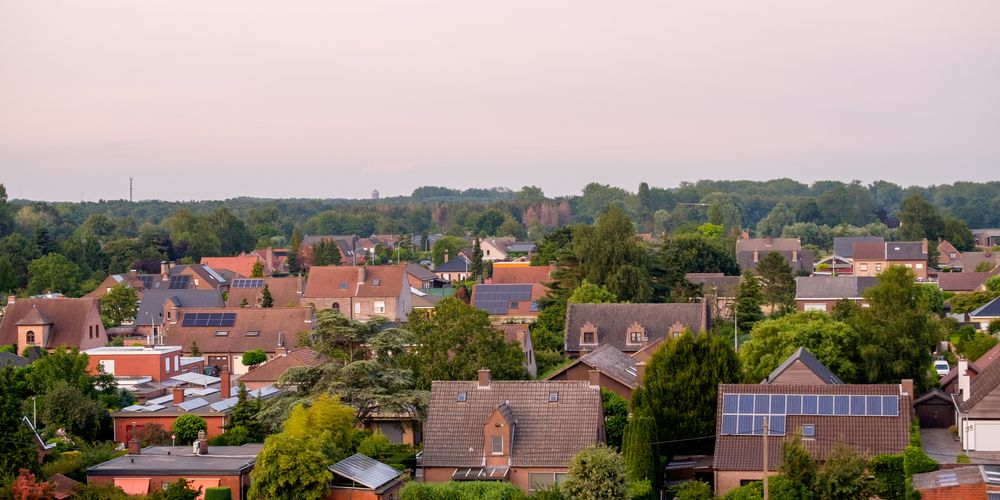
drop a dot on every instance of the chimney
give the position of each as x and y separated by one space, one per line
964 385
133 444
11 299
281 351
640 371
795 255
595 377
907 386
202 443
225 385
756 256
923 245
484 378
446 255
178 395
164 269
361 274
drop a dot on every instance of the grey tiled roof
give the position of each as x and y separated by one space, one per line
726 285
905 250
962 282
613 321
11 359
844 245
832 287
545 433
802 354
457 264
803 259
988 310
611 362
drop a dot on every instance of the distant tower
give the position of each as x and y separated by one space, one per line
375 194
130 190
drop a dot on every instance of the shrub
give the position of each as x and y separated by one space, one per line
752 491
994 326
460 491
694 490
186 427
218 493
962 458
915 461
889 476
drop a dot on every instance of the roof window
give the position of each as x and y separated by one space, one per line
222 333
461 397
343 285
553 397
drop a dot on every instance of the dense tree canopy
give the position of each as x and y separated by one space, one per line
835 344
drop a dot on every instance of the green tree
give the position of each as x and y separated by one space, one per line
609 254
257 271
120 304
326 421
749 300
477 260
456 341
638 450
254 357
774 224
177 490
596 473
976 346
8 275
694 490
918 219
970 301
842 475
797 466
680 385
6 216
450 245
290 467
326 253
688 253
489 222
243 419
777 283
186 427
70 367
589 293
53 273
66 407
294 251
18 450
266 301
615 417
835 344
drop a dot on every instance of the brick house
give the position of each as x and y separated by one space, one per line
510 273
985 314
976 414
801 368
154 467
158 362
223 335
171 277
749 251
360 292
512 431
607 367
718 289
630 327
269 372
508 301
52 322
457 269
871 258
821 293
973 481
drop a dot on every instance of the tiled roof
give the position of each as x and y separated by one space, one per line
725 285
905 250
614 320
507 300
970 260
151 304
343 281
503 275
833 287
545 434
11 359
768 244
611 362
948 478
273 327
802 261
953 372
272 370
34 317
962 282
420 272
457 264
988 310
869 250
868 435
984 396
285 292
806 358
239 264
67 316
844 245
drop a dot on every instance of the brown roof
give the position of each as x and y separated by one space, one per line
273 369
768 244
984 396
503 275
545 434
516 332
609 361
725 285
273 327
970 260
869 435
62 486
285 292
961 282
614 320
343 281
948 478
68 318
239 264
869 251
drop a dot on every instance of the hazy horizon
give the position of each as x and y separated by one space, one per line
209 101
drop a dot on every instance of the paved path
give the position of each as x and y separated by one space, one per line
943 448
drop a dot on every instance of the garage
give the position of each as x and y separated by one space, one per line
987 436
935 410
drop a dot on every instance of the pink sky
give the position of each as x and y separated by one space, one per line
333 99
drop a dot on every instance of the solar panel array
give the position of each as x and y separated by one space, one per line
180 282
225 404
147 280
743 414
193 404
496 299
247 283
209 319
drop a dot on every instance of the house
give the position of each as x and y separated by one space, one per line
512 431
986 314
451 270
935 410
360 292
498 249
350 253
834 265
49 323
948 255
157 362
361 478
157 306
870 259
972 481
150 469
630 327
986 238
607 367
962 282
717 288
872 419
508 301
843 246
272 370
976 408
11 359
821 293
240 265
521 334
211 398
423 300
988 260
223 335
171 277
513 273
285 291
749 251
801 368
421 278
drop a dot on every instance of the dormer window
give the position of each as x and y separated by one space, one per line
588 334
30 337
636 334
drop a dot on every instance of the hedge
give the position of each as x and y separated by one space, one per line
218 493
461 491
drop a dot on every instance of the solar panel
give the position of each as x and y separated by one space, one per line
209 319
193 404
497 299
744 413
247 283
160 400
225 404
133 408
153 408
179 282
147 280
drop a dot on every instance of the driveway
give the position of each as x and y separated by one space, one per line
943 448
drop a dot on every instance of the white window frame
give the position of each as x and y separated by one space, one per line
167 361
379 307
814 307
493 445
357 308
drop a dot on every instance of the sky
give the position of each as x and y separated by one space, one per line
329 99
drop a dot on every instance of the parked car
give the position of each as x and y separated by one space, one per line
941 367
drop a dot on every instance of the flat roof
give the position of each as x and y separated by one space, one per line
178 460
133 349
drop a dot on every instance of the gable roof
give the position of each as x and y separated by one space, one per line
962 282
906 250
971 260
286 291
806 358
273 369
240 264
990 309
833 287
68 318
346 281
503 275
453 435
614 320
724 285
151 304
420 272
934 394
609 361
983 389
844 245
459 264
268 328
865 250
366 471
507 300
11 359
768 244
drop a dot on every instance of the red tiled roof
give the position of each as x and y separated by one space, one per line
68 318
273 326
285 292
273 369
240 264
509 275
342 281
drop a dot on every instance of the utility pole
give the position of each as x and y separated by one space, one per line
130 190
765 458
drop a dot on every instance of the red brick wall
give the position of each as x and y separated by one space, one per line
519 476
139 365
156 482
123 424
954 492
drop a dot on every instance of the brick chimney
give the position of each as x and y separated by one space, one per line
594 376
907 387
281 351
225 385
178 395
446 255
640 372
164 270
964 383
133 444
484 378
202 443
11 299
361 274
923 245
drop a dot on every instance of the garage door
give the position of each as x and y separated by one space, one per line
987 437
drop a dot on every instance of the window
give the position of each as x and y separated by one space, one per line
253 333
343 285
461 397
864 267
196 282
540 480
497 445
635 337
177 362
379 307
357 308
588 334
514 304
920 265
30 337
815 307
588 338
808 430
167 362
336 306
908 265
222 333
553 397
878 268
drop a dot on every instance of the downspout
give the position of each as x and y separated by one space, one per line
960 423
